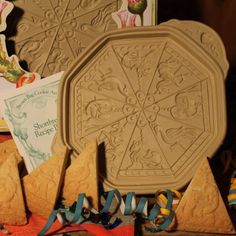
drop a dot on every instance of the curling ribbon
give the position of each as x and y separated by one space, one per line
162 209
232 191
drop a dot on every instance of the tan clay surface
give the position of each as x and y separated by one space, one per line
11 198
82 177
8 148
51 34
202 208
154 97
42 185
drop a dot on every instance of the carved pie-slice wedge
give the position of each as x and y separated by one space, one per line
202 208
11 197
43 184
82 176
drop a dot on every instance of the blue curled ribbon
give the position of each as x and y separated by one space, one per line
76 218
155 212
128 203
78 209
48 225
110 196
104 216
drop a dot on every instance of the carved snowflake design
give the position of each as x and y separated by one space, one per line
51 33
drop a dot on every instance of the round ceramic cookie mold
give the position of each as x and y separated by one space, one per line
153 97
51 34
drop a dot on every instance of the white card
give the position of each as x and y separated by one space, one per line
31 115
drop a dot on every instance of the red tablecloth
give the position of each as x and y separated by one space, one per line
36 223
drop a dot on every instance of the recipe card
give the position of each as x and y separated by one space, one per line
31 115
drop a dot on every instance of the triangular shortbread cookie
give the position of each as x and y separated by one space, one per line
43 184
202 208
11 197
8 148
82 177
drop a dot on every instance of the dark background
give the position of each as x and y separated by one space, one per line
221 16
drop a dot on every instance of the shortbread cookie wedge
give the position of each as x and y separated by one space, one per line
43 184
82 176
202 208
11 198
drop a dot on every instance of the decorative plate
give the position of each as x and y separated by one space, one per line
154 97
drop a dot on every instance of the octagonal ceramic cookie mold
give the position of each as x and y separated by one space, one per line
154 96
